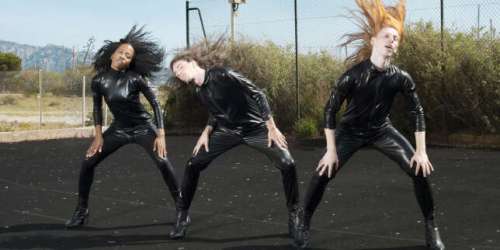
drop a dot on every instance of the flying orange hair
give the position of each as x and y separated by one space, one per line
373 17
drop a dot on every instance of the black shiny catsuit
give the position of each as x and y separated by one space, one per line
370 93
131 124
238 111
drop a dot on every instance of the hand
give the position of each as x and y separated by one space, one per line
95 146
202 142
327 163
274 135
160 147
421 161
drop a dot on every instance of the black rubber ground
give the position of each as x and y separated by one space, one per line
240 202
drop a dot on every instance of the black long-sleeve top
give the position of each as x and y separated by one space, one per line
232 100
121 90
370 93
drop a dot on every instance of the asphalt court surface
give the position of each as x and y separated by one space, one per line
240 202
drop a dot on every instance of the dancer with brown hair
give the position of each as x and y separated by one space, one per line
238 114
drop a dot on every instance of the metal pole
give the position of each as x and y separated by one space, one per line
492 30
442 26
443 87
296 63
232 21
187 23
478 20
83 102
202 25
105 115
40 97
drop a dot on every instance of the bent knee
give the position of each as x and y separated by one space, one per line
196 165
89 163
286 163
163 163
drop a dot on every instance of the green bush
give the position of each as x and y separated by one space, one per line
306 128
459 87
272 68
183 109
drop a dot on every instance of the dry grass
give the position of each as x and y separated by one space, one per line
54 105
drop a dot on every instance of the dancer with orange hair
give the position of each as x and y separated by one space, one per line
370 87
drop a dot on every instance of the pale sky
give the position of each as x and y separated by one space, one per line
72 22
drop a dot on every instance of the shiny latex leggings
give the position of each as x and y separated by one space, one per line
389 142
114 138
222 140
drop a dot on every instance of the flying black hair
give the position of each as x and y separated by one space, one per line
148 56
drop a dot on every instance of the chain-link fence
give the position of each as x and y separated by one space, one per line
321 23
320 27
38 99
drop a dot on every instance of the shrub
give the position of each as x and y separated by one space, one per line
306 128
459 87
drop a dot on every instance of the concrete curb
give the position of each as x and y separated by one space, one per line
66 133
453 140
39 135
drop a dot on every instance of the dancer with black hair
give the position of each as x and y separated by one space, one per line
370 87
122 69
239 114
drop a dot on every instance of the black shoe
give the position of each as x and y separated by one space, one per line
432 238
183 221
301 238
294 220
79 218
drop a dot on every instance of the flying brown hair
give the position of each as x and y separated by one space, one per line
207 54
371 18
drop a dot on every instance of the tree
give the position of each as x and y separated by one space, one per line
10 64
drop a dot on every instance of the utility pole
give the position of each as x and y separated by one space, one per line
296 62
234 11
478 21
106 115
443 88
442 26
492 30
187 24
40 97
73 61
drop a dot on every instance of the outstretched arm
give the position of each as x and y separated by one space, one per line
420 160
159 144
329 161
96 145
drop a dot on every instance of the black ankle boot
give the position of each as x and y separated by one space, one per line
432 238
294 219
79 218
183 221
301 237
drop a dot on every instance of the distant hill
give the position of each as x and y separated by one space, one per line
50 57
58 58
